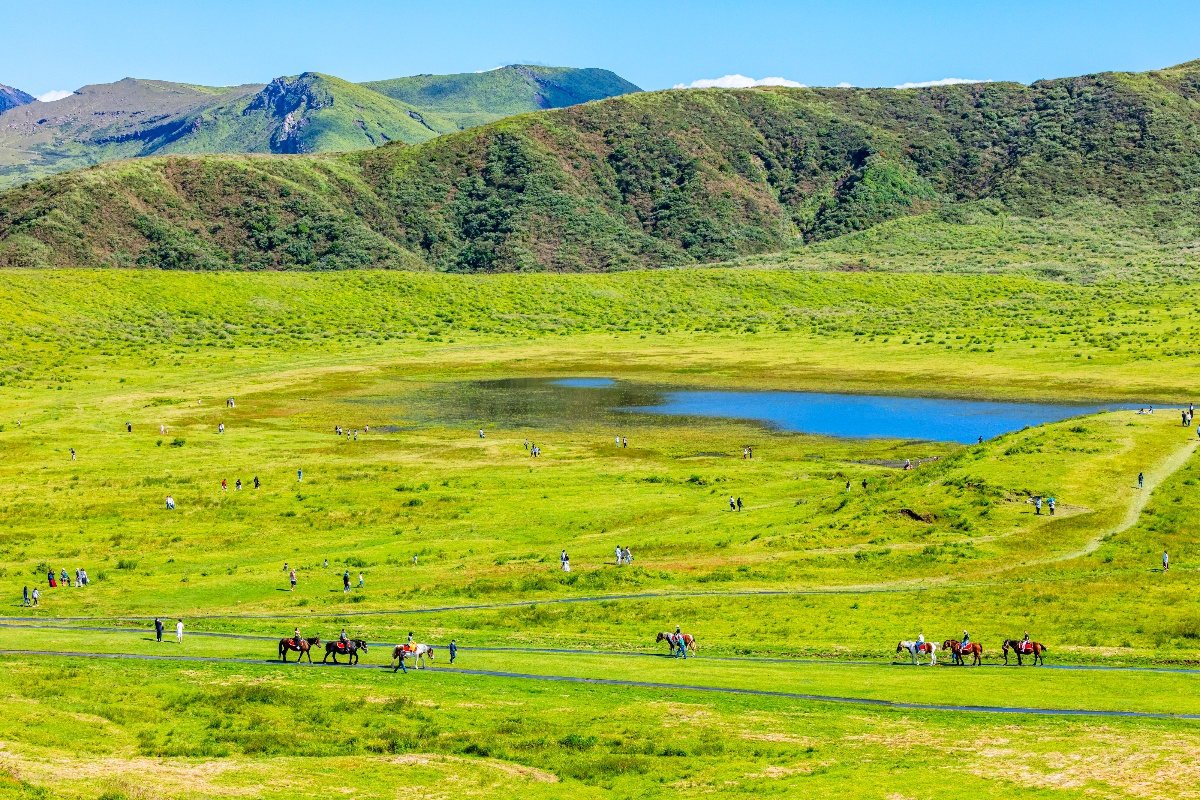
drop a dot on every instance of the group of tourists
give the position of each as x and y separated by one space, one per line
747 452
33 598
623 556
237 487
622 441
159 625
352 435
1037 504
534 450
1187 415
735 503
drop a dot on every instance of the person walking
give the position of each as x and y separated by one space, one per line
72 453
565 561
1037 504
345 581
739 504
1140 479
628 557
129 427
170 503
624 441
453 650
481 433
224 485
292 578
238 486
179 631
732 503
299 475
221 428
360 580
1166 561
25 597
256 484
158 630
620 555
36 595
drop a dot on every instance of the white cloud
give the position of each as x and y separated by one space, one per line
737 82
942 82
50 97
844 85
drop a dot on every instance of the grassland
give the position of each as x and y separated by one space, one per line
821 580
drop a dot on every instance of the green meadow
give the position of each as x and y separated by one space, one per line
806 591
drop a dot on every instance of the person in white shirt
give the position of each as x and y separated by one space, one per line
179 631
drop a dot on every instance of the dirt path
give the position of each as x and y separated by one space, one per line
863 701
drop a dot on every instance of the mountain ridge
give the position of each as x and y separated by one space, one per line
643 180
310 112
11 98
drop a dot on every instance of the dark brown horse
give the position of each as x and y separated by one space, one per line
349 649
973 648
1036 648
303 647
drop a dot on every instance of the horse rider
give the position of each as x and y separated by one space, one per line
409 644
296 638
966 641
343 638
1025 642
920 643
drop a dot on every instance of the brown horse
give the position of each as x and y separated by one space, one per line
1037 648
303 647
671 639
973 648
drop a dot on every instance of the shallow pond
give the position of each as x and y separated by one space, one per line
536 402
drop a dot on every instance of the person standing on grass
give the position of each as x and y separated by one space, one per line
624 441
628 557
72 453
179 631
86 582
1037 504
565 561
619 555
739 504
158 630
36 596
224 486
1050 503
732 503
360 580
63 579
453 650
1140 479
1166 561
50 579
346 581
299 475
481 433
25 597
238 486
256 483
292 578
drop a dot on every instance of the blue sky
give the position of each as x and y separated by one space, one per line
69 43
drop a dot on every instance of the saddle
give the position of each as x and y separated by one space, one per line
341 645
1024 648
291 642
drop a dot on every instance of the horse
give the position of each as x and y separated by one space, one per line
349 648
417 652
303 647
682 641
915 651
973 648
1037 648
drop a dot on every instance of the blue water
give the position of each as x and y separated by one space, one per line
585 383
869 416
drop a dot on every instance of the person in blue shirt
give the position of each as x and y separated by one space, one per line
453 650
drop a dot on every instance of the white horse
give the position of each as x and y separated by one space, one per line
417 653
915 651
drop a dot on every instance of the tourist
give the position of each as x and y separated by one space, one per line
292 578
1037 504
565 561
256 483
170 503
158 630
179 631
481 433
1140 479
72 453
63 579
1050 503
326 564
84 577
360 580
224 486
25 597
618 440
739 504
1166 561
620 556
624 442
847 486
36 594
129 427
346 581
221 428
628 556
453 650
732 503
299 475
238 486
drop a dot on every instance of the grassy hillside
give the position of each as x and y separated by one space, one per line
667 178
299 114
476 98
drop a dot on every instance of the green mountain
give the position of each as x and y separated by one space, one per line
11 98
658 179
476 98
308 113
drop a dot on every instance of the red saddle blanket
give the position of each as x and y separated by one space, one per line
1024 648
291 642
341 645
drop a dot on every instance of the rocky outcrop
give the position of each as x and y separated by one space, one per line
11 98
